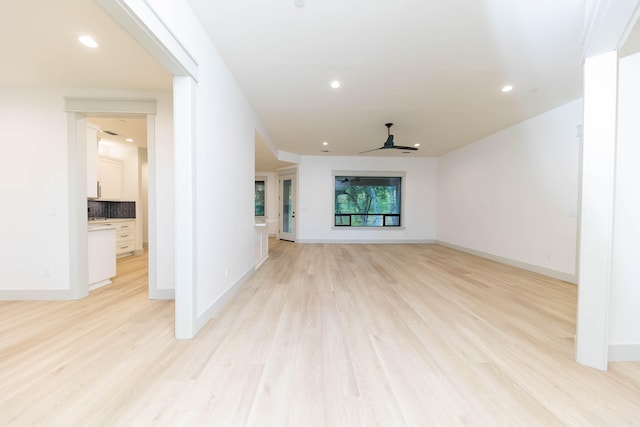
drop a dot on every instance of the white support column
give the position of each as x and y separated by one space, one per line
184 107
598 168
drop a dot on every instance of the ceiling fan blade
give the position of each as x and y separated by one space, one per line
400 147
373 149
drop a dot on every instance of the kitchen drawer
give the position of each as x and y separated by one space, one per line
125 225
125 237
125 247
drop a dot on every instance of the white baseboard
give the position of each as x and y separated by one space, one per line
366 242
100 284
571 278
260 262
220 302
36 295
624 353
163 294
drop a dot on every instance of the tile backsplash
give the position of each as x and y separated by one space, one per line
100 209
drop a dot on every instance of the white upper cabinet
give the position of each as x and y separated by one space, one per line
110 177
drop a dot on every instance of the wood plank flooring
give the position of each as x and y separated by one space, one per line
322 335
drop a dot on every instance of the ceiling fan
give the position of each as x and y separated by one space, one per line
389 142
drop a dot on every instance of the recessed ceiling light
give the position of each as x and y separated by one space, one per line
416 145
325 143
129 139
335 84
507 88
88 41
299 3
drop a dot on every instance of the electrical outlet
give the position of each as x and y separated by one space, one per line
47 272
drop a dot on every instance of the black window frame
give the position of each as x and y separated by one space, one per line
381 220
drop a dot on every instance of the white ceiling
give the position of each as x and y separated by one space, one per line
126 126
433 67
39 45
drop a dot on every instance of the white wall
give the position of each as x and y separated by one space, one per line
624 321
315 194
34 182
34 241
514 195
224 154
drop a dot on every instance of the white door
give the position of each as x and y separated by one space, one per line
287 207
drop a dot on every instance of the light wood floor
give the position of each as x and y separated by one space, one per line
322 335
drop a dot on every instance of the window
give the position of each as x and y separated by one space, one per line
367 201
259 198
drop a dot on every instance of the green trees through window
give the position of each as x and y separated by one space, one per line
367 201
259 198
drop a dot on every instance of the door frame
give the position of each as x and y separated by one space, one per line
292 173
77 109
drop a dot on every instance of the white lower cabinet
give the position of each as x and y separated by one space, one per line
101 257
125 237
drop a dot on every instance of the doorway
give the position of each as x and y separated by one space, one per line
88 109
123 190
287 205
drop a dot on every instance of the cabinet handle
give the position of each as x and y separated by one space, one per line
124 235
99 189
124 247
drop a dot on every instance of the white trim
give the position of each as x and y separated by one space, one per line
217 305
109 106
596 225
152 209
260 262
186 280
571 278
162 294
77 108
144 25
77 204
608 25
624 352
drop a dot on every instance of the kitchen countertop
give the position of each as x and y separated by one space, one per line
99 227
104 220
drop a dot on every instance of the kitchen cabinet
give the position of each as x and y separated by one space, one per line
125 235
125 238
92 161
101 255
110 178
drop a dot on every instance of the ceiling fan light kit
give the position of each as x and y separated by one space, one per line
389 143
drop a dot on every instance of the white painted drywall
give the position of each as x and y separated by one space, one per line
596 228
34 186
624 314
316 191
224 150
514 194
34 241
